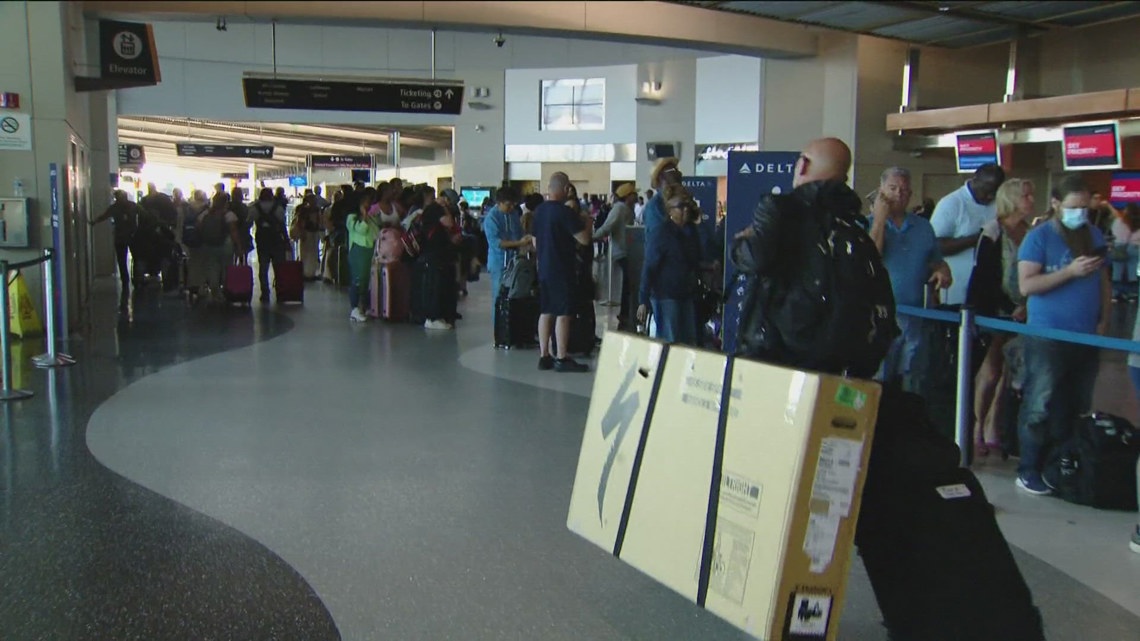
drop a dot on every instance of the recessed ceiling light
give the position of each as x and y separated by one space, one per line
943 8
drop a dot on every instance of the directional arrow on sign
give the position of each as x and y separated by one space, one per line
450 94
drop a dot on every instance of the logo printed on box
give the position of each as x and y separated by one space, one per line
810 615
617 419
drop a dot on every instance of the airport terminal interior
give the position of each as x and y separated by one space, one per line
180 460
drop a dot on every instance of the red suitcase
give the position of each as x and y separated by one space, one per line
289 281
391 291
239 284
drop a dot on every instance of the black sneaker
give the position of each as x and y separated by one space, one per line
546 362
1135 543
570 365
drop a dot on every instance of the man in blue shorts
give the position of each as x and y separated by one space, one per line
557 232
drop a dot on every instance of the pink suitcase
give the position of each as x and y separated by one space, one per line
239 284
390 246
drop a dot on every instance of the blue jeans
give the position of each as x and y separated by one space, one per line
1134 373
359 274
1124 273
1058 388
900 361
676 320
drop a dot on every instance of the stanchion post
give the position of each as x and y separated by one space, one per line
7 393
610 273
52 358
964 407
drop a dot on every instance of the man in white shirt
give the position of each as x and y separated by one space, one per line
958 219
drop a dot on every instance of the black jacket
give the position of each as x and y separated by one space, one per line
780 221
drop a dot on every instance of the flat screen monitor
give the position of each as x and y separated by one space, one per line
1091 146
1125 188
475 195
976 148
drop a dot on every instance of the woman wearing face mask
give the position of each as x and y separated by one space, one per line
1061 269
994 291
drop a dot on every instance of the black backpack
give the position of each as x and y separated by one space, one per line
1097 465
828 303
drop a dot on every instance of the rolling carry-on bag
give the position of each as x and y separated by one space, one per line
239 284
289 281
939 565
516 320
391 291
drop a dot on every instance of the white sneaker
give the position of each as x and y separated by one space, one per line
437 324
357 316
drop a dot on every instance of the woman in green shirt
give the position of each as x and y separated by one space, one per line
363 229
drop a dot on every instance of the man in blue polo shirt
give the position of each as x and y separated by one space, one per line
912 258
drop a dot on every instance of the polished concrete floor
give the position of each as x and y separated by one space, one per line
281 474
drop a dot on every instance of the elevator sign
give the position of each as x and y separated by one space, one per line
127 52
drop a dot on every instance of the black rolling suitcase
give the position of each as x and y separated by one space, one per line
516 321
939 565
584 324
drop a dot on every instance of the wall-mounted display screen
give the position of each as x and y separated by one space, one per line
1125 188
1091 146
475 195
976 148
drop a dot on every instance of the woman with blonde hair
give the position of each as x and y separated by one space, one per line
994 291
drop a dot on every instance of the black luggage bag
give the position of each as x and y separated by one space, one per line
584 324
1097 465
433 290
939 565
516 321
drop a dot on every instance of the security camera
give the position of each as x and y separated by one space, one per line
499 41
221 26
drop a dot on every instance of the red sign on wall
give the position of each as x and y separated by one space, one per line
1125 187
1095 146
977 149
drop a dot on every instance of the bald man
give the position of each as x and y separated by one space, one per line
807 262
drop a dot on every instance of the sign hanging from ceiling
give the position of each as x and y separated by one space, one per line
339 95
127 52
1091 146
131 156
720 151
1125 188
199 150
975 149
341 162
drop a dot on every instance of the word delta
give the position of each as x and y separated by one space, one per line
769 168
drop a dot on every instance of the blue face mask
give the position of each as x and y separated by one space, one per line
1075 217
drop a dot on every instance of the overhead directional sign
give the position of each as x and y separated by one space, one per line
339 95
341 162
131 156
200 150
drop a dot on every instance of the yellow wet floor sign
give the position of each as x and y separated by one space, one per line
22 313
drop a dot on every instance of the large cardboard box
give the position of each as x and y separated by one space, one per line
743 498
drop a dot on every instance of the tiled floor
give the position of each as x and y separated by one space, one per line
414 484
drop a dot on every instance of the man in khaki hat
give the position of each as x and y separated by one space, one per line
621 216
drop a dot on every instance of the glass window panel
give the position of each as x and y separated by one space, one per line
591 116
558 118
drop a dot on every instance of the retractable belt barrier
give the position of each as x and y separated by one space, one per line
52 358
968 323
